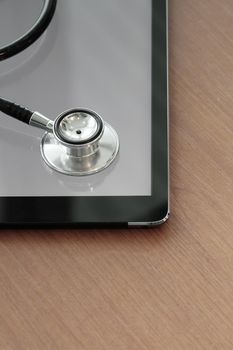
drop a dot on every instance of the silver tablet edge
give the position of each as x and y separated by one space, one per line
162 221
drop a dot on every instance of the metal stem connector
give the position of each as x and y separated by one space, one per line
40 121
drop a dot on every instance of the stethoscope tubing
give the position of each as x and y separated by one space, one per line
32 34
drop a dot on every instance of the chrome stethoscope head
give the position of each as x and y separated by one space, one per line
77 142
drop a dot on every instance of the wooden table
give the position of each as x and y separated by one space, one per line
165 288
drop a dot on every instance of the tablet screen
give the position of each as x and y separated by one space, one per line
95 54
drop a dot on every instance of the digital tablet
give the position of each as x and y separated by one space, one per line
90 92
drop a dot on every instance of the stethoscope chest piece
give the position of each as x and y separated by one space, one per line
79 143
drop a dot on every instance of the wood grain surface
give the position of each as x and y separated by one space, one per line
165 288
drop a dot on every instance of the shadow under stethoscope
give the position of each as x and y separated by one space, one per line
30 146
77 185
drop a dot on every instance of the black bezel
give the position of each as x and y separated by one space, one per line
122 209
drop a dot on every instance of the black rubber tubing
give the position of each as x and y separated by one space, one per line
15 111
33 34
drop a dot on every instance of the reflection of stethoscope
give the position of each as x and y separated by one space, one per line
78 142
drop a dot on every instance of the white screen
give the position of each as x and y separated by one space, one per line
95 54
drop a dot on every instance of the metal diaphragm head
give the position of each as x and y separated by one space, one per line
81 143
78 127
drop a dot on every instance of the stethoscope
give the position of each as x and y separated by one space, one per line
78 141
